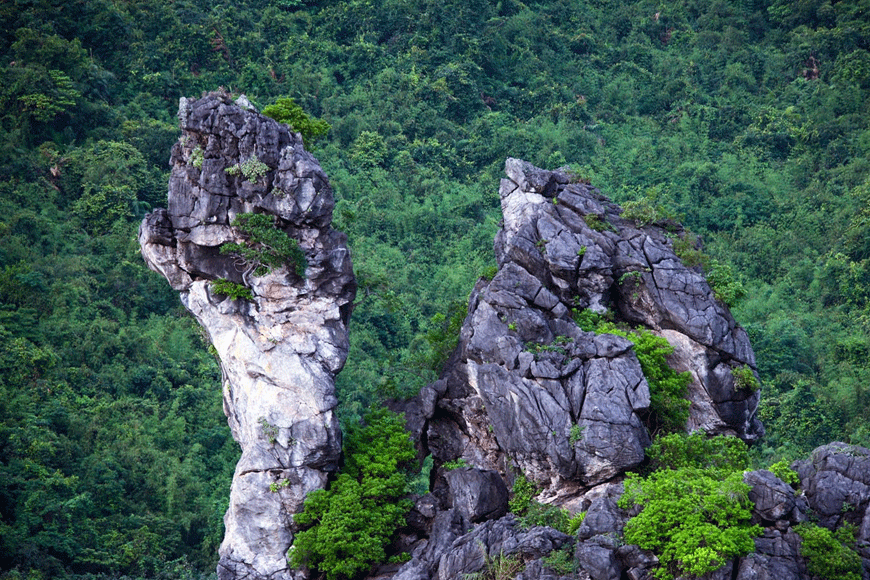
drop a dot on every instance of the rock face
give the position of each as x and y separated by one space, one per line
528 388
280 350
527 391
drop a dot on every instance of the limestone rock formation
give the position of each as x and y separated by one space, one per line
528 388
836 479
528 391
280 350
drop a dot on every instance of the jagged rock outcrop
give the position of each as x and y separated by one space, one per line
528 389
280 350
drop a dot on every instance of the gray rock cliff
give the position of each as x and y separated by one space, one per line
528 391
279 352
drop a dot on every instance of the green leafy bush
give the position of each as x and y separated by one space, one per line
561 561
696 508
352 522
642 211
588 320
725 284
522 493
455 464
782 470
576 434
744 379
531 513
830 555
285 110
541 514
252 169
692 519
678 450
267 247
224 287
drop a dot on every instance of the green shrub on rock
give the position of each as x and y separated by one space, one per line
266 246
692 520
351 523
696 508
830 555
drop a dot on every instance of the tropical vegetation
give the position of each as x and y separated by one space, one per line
746 119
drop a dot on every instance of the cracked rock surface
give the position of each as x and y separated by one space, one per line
528 391
279 352
528 388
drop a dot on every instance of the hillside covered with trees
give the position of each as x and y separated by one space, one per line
746 120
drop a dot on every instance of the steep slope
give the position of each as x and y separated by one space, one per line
280 349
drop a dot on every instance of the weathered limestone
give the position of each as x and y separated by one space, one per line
529 388
528 391
280 351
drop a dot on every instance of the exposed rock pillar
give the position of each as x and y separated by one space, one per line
280 350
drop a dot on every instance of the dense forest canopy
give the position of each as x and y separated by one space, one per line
746 119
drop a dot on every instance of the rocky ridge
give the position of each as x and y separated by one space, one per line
529 392
280 350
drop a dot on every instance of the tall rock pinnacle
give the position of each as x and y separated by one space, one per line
279 348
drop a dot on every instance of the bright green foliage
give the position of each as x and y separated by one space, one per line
285 110
455 464
576 434
718 454
696 507
725 284
522 493
588 320
830 555
744 379
197 157
223 287
694 520
267 247
575 522
667 386
540 514
561 561
352 522
534 513
782 470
